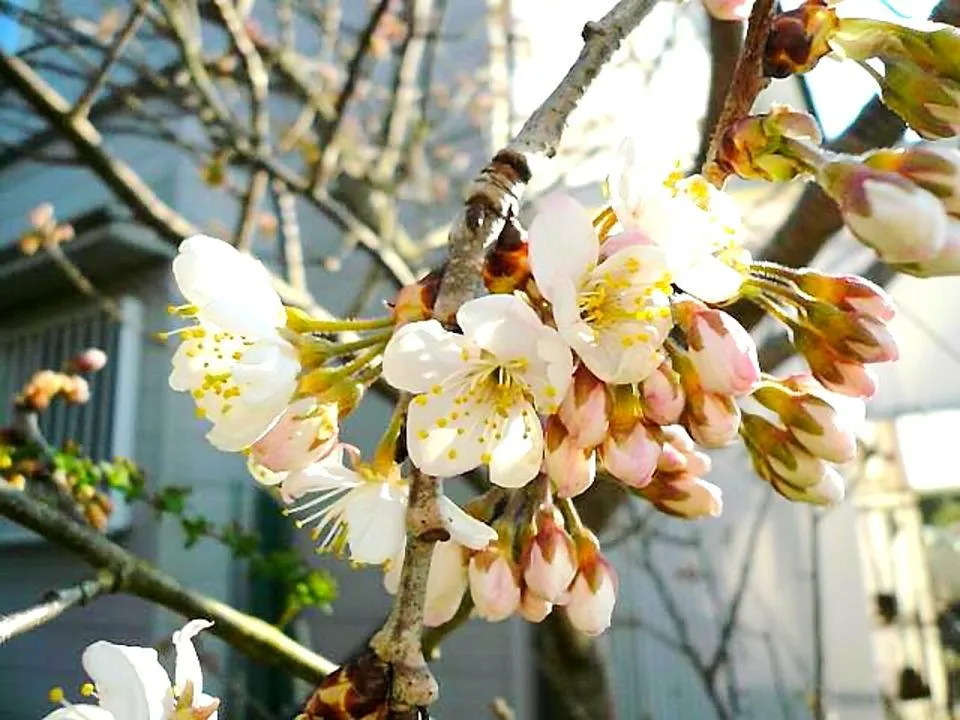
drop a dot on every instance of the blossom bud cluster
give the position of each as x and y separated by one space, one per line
799 431
546 566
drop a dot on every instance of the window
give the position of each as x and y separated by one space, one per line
104 426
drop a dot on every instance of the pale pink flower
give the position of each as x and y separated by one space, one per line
569 466
663 396
446 583
721 350
304 434
631 456
549 560
584 409
494 583
593 594
684 495
715 421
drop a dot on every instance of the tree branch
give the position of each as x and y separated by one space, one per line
135 576
54 604
748 81
123 36
726 41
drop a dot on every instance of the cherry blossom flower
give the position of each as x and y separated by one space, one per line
494 582
478 394
239 370
695 224
366 509
131 684
615 315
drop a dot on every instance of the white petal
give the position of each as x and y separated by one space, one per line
131 683
517 457
231 289
81 712
421 355
443 438
563 244
266 370
241 429
463 527
375 514
550 379
327 474
710 279
188 664
504 325
446 583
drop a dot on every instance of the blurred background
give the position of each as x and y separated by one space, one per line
334 140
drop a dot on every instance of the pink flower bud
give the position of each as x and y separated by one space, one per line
76 390
729 9
684 495
663 397
533 608
850 293
570 467
823 423
712 420
946 262
594 591
901 221
797 466
829 490
721 350
446 582
304 434
631 456
88 361
494 583
549 559
584 409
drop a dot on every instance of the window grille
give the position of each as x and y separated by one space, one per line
104 425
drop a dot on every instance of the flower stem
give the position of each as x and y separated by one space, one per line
346 348
570 515
385 455
299 321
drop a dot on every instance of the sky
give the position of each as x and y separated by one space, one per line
840 89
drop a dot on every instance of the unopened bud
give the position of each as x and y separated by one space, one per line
76 390
754 147
584 409
593 593
305 433
494 583
533 608
683 495
856 337
88 361
850 293
721 350
933 166
663 396
900 220
946 262
631 456
571 468
798 39
549 559
712 420
833 370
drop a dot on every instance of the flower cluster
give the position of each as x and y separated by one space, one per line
129 683
603 345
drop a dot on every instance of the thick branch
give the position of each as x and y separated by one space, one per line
726 41
135 576
54 604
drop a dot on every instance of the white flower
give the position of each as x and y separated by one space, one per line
695 224
614 315
130 683
478 394
367 510
239 370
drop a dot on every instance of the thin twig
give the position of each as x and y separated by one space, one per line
124 36
135 576
748 81
54 604
324 165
